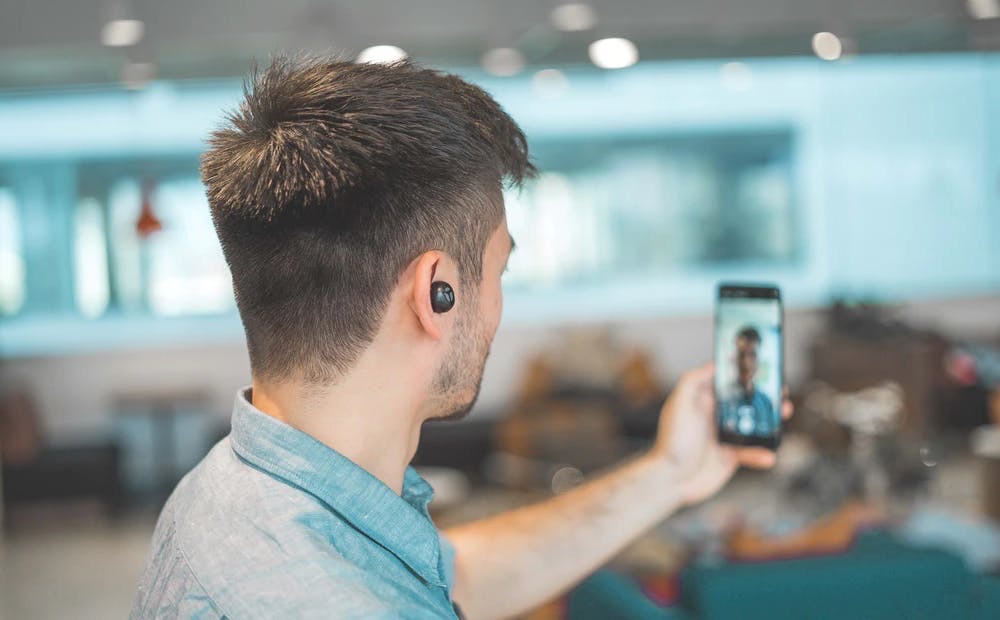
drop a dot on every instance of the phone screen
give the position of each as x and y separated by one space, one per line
748 364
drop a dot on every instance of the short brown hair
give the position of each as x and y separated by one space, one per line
750 334
330 178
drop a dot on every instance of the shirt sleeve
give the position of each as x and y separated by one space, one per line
766 419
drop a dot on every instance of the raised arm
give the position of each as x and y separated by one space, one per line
512 562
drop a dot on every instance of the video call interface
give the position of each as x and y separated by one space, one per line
748 366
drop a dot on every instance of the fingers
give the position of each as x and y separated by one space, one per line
701 374
756 458
787 408
699 378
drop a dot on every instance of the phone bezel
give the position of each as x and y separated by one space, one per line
749 291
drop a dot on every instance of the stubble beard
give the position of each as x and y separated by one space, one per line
461 373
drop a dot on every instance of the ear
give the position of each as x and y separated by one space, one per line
426 269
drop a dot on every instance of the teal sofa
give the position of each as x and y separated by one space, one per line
878 578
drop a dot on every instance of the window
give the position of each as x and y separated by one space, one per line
178 270
650 207
90 259
187 271
11 257
125 250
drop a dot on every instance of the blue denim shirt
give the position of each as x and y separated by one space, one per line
274 524
749 413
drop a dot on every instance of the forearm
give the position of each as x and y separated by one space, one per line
515 561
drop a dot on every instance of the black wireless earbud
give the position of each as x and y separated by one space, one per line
442 297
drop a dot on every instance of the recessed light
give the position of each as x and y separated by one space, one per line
613 53
827 45
122 32
983 9
381 54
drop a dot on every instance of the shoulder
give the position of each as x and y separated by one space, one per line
763 399
168 588
252 546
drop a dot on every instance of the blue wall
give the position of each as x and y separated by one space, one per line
897 164
898 161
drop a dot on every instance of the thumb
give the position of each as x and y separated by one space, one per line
698 378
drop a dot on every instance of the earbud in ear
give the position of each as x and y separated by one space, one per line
442 297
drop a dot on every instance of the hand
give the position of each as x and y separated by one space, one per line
687 437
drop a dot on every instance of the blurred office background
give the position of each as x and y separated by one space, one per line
847 151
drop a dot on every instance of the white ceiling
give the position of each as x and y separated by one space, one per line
54 42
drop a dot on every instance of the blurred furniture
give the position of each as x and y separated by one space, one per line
580 407
161 447
66 472
460 445
576 429
879 578
974 370
864 345
37 470
833 533
607 594
871 415
986 447
849 364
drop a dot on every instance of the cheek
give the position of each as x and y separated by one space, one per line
494 307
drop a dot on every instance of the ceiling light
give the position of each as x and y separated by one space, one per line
573 17
381 54
615 53
122 32
503 61
827 45
550 83
983 9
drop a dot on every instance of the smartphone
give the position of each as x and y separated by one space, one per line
749 364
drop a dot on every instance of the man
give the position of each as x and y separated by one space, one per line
745 408
360 210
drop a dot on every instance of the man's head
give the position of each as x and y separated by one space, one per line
747 345
339 188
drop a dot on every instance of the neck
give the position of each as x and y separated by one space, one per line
367 417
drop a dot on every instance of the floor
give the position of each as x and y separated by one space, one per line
77 566
73 562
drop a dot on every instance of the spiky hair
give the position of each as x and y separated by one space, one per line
330 178
310 131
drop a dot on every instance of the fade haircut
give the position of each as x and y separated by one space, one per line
330 178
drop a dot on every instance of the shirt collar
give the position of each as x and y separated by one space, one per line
401 524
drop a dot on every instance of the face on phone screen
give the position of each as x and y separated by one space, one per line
748 366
